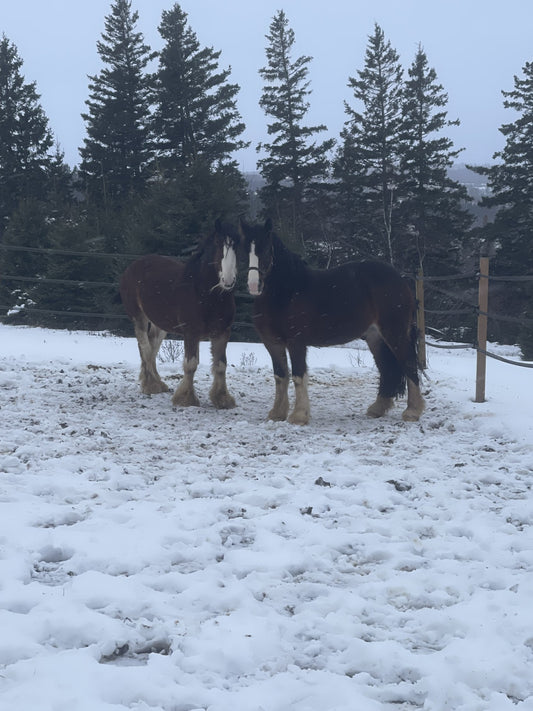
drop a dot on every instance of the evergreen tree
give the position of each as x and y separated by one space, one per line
295 168
25 139
196 117
197 128
117 151
367 162
432 211
511 192
25 163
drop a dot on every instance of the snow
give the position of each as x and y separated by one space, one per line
165 559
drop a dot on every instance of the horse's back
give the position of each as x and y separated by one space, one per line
335 306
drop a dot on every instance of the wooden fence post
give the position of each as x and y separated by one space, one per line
420 319
483 303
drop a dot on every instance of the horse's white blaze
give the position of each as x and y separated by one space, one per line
253 272
228 266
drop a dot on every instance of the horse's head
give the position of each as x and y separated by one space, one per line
226 242
257 244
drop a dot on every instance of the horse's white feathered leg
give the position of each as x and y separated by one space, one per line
280 409
415 403
149 343
185 395
301 413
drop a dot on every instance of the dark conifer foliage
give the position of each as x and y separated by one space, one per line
511 193
433 218
117 151
25 182
296 167
196 116
366 165
197 129
25 138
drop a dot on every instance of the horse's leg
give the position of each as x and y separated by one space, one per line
219 394
301 413
151 382
280 409
415 402
185 395
388 381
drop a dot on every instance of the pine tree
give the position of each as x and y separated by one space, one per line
117 151
511 192
433 216
295 168
25 161
25 138
367 162
198 129
509 180
196 116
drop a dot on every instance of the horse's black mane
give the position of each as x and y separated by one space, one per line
203 252
289 271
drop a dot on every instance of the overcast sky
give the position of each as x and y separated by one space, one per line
475 46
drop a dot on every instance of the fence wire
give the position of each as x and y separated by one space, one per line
97 284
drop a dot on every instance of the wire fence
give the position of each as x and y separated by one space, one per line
473 308
469 307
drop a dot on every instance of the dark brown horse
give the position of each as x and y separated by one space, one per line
193 299
296 307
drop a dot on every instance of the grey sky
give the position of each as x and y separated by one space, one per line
475 46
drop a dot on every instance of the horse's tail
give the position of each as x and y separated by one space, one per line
412 365
394 372
393 380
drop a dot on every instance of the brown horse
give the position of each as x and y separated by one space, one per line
193 299
296 307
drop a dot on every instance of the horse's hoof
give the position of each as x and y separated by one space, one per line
225 402
410 415
277 416
380 407
374 412
299 418
185 400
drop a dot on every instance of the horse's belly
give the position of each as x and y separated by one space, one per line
324 329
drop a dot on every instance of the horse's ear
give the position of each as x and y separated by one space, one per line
269 226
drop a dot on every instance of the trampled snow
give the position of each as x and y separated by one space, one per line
163 559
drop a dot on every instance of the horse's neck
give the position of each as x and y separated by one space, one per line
200 267
288 269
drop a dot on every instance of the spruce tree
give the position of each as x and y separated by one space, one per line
196 116
25 138
117 151
295 168
25 163
367 162
433 217
511 193
197 129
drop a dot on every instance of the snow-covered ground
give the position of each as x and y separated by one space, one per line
179 559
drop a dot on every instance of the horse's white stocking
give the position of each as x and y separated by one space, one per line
415 403
301 413
280 409
151 382
219 394
380 407
185 395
